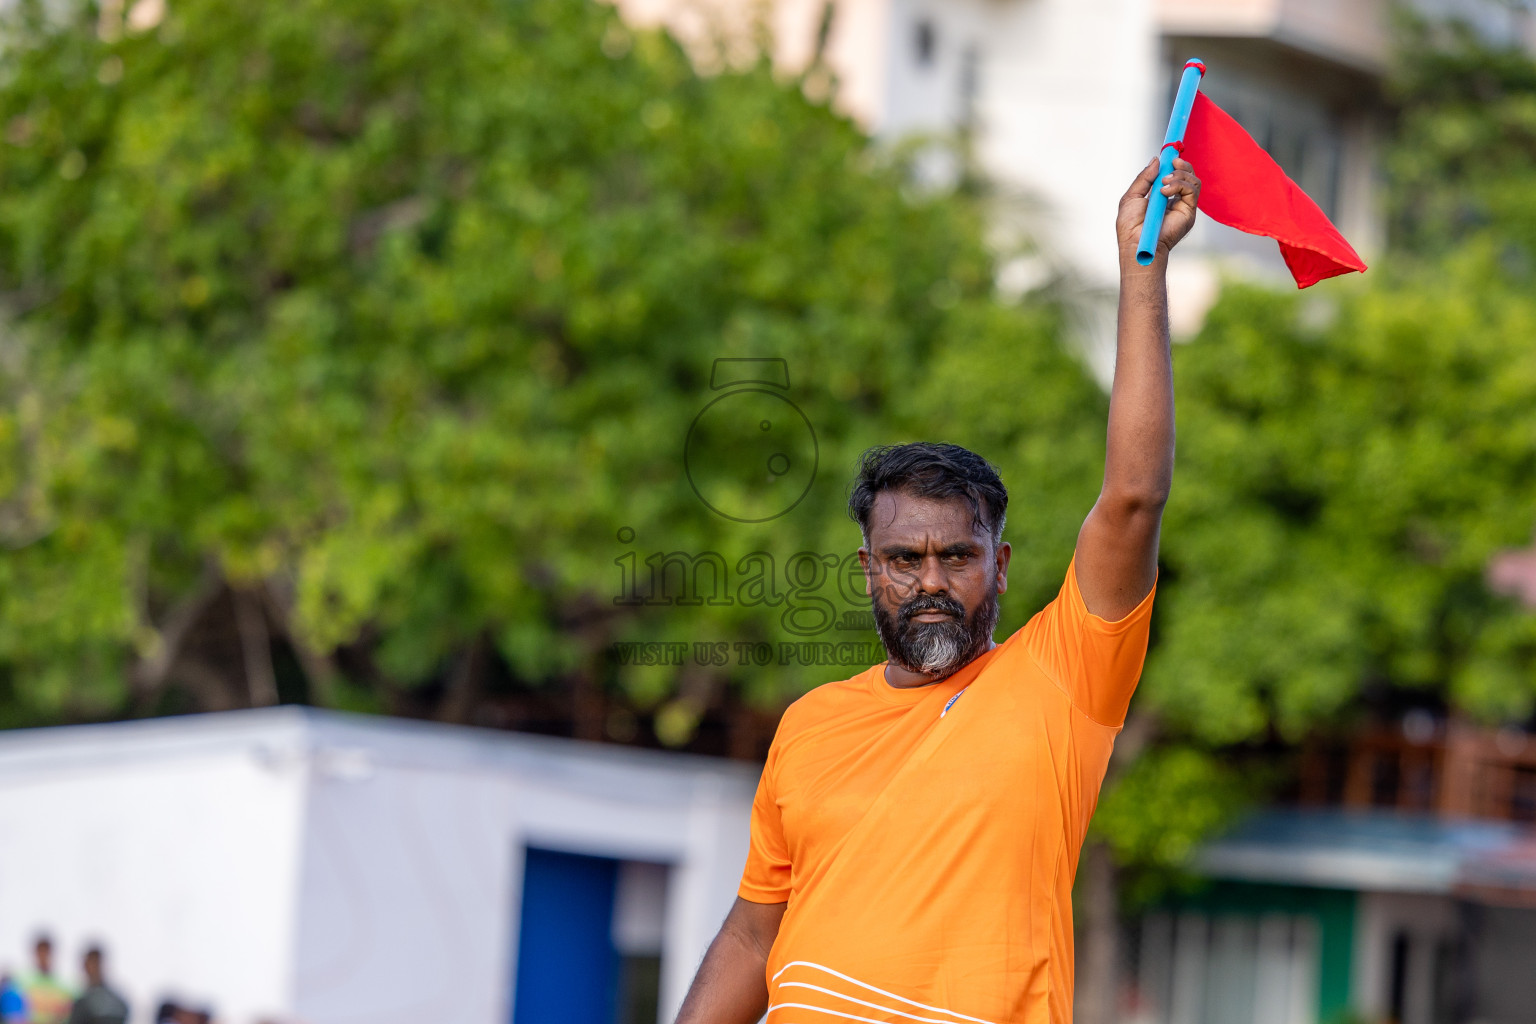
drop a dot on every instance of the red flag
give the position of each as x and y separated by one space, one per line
1241 186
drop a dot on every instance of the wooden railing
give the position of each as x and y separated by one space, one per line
1452 769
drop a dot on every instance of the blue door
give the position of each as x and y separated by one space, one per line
567 967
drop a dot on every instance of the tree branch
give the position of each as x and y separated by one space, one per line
319 669
150 672
256 647
464 683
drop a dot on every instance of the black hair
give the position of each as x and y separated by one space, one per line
928 469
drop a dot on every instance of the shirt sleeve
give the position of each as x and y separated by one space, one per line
1096 661
766 877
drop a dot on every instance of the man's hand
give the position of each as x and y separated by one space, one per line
1182 186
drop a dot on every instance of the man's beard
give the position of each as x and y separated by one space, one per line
938 649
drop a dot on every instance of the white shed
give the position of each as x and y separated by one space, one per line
289 864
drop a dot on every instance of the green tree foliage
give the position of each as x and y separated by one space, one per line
1161 806
1342 488
1460 165
375 328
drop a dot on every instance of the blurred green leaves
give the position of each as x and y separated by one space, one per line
1461 163
1162 807
1342 490
397 314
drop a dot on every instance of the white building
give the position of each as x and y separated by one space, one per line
289 864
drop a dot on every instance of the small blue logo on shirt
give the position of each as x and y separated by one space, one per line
951 702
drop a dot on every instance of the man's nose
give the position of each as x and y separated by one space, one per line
931 577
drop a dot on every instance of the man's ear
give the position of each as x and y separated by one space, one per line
1004 555
869 586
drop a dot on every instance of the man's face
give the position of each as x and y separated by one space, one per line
933 576
43 954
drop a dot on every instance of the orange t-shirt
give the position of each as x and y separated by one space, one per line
926 838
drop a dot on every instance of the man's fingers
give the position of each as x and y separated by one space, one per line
1180 183
1142 186
1185 179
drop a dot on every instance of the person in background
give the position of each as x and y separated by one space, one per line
98 1004
48 1000
171 1012
13 1008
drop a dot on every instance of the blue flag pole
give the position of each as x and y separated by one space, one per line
1173 145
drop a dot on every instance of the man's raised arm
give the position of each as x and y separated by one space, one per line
1117 546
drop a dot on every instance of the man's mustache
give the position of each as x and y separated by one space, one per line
931 603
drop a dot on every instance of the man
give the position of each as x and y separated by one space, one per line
917 827
98 1004
47 999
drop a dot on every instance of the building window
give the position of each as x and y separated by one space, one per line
1218 968
970 84
925 43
